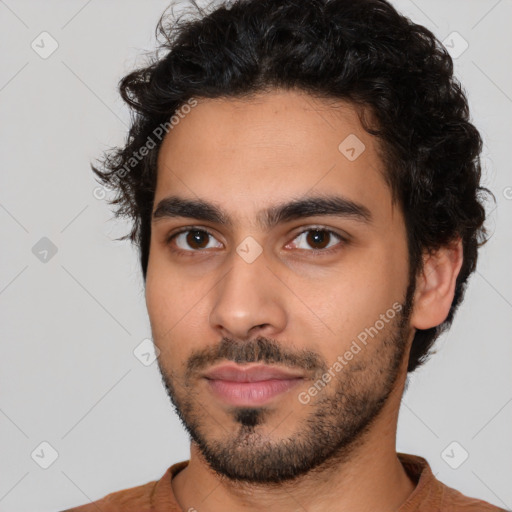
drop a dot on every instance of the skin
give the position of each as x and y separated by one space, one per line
245 156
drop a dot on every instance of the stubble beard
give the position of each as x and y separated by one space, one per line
335 425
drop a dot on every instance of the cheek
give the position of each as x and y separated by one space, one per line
165 300
157 282
178 309
166 286
353 298
378 289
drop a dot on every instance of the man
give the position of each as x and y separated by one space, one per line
304 184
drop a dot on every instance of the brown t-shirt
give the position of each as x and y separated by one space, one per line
430 495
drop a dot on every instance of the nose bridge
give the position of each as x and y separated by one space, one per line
247 297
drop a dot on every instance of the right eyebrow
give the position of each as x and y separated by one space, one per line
330 205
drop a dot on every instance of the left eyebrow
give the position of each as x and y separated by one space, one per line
174 206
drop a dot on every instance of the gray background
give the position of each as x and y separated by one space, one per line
70 324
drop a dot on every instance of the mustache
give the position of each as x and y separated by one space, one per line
260 349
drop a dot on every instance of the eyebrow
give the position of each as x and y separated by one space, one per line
174 206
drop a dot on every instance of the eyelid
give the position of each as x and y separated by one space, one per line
169 238
320 227
304 229
184 229
343 239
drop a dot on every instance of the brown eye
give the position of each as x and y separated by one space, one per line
192 240
197 239
318 239
321 240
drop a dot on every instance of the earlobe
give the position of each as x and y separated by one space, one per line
435 286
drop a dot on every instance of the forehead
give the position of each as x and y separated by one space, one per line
259 151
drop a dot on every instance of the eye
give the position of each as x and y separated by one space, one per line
191 240
320 239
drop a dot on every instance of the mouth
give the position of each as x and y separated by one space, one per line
250 385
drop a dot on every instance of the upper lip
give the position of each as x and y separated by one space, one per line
254 373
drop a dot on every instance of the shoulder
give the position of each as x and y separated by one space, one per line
455 500
134 499
142 498
431 494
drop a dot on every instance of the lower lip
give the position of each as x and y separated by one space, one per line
251 393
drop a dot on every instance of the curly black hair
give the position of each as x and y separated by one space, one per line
361 51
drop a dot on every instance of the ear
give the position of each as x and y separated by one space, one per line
435 286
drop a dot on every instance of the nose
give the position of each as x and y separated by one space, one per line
248 301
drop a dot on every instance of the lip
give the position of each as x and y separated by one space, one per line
250 373
250 385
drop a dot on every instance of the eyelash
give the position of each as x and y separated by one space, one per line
315 252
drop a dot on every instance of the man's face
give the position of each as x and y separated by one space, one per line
320 297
